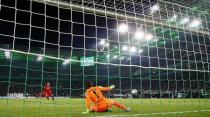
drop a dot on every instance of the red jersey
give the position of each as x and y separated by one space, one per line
47 89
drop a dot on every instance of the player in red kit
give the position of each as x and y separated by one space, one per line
47 92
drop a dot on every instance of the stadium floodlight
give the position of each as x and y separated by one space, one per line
195 23
139 35
133 49
107 56
155 8
172 18
66 62
140 51
184 20
149 37
115 56
123 28
7 54
107 44
39 58
125 48
102 42
175 16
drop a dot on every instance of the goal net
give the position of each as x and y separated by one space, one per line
156 53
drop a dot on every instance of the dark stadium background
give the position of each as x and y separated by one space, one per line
79 33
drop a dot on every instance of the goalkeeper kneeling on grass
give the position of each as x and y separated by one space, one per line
96 102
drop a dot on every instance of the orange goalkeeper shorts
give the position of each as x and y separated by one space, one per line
102 105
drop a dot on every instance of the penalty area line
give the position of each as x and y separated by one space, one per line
161 113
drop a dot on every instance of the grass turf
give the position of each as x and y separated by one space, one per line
66 107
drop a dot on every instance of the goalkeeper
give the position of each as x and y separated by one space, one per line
96 102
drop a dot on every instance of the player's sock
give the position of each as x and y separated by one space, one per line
108 110
119 105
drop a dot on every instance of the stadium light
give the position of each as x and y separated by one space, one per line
195 23
139 35
107 56
184 20
124 48
7 54
149 37
175 16
107 44
115 56
172 18
155 8
102 42
123 28
66 62
133 49
39 58
140 51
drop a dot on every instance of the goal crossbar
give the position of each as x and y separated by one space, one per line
147 21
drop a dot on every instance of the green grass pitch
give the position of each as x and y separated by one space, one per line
67 107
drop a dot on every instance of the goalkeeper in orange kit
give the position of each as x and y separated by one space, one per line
96 102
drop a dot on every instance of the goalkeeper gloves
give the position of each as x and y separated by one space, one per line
86 112
112 86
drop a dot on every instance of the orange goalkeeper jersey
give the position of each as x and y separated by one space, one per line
95 95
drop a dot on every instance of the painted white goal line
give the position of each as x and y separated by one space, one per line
161 113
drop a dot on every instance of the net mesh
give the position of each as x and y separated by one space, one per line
155 52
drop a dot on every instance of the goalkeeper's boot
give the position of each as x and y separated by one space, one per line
128 109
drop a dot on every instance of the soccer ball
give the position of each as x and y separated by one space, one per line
134 91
